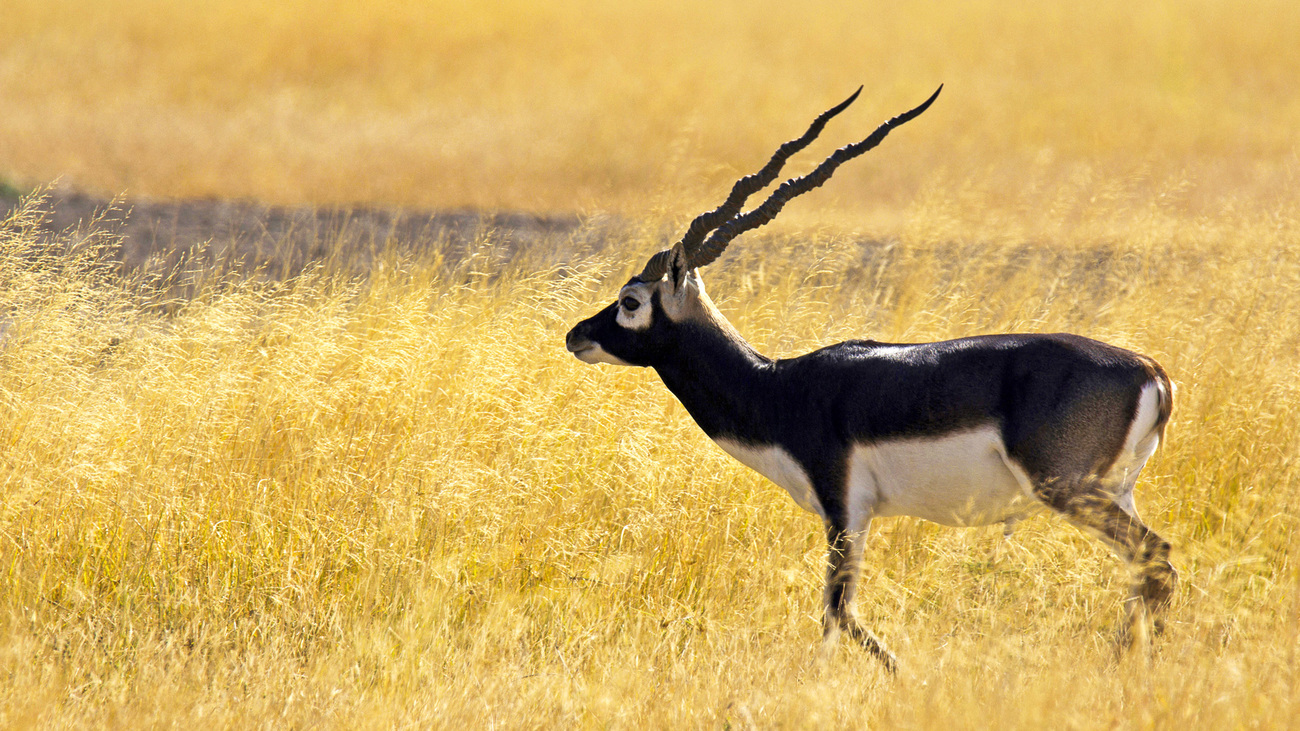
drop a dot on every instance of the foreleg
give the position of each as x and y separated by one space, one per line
844 562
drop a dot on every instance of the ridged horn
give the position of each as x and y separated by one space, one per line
713 246
751 184
657 267
740 192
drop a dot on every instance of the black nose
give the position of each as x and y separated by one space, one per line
575 340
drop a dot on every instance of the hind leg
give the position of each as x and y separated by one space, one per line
1089 505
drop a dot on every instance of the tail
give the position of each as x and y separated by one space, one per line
1165 389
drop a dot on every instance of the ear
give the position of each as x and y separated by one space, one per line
677 267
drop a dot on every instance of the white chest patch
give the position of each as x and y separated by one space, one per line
959 479
778 466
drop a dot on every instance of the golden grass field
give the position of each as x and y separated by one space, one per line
394 500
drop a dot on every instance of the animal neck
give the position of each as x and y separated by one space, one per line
721 380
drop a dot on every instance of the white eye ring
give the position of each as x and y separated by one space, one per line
632 313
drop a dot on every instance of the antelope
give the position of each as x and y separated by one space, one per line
975 431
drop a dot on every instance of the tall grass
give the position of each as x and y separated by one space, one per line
397 501
392 499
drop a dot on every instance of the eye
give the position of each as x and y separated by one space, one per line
630 303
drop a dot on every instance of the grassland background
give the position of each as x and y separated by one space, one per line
393 499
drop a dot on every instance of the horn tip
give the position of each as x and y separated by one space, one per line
924 105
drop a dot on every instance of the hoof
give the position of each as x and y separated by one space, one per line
873 645
1157 585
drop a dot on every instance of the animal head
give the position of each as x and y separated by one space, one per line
643 325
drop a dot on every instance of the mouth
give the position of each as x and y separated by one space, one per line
585 353
584 350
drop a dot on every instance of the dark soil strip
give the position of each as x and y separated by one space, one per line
244 237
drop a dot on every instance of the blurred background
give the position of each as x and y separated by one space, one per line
652 107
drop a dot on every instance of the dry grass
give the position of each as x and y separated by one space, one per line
399 501
394 500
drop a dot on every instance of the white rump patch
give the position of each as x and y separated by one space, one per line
960 479
1139 445
778 466
1143 438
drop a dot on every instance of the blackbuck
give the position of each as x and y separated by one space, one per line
975 431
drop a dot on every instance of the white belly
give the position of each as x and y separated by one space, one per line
958 479
778 466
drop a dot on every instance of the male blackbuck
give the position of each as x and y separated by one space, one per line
974 431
